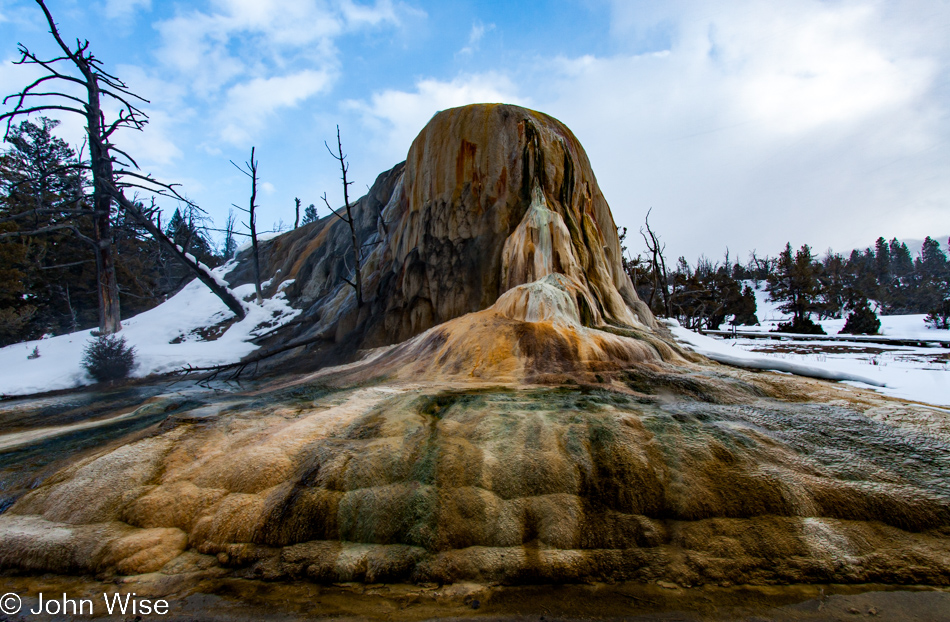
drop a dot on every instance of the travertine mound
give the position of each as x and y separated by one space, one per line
534 333
490 197
396 483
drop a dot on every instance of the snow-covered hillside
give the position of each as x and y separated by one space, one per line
191 328
909 372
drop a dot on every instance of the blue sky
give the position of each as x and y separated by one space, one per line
742 124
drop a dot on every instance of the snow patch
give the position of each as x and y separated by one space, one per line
719 350
165 338
261 237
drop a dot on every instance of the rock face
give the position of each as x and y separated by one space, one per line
490 197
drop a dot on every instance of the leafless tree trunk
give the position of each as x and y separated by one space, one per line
659 266
229 243
110 174
297 212
201 271
250 169
357 283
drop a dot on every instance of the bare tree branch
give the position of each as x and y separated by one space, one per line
357 254
50 229
251 171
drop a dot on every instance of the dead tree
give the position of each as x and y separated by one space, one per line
297 212
250 169
230 245
658 263
113 170
761 267
357 283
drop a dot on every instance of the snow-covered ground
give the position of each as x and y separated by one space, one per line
913 373
192 328
906 326
184 330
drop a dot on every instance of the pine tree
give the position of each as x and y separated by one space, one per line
46 218
745 308
903 283
939 317
185 228
795 285
860 283
310 214
882 274
933 261
16 309
831 285
862 320
932 274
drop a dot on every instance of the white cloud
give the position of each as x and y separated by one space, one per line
758 124
811 122
358 15
123 9
154 146
249 104
210 48
475 37
248 58
396 117
820 67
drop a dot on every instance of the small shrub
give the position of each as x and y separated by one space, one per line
939 317
862 320
802 327
107 357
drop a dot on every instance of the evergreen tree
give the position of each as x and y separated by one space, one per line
74 81
882 260
185 228
862 320
860 283
902 287
310 214
902 264
745 308
939 317
707 296
882 274
16 309
831 285
932 275
795 285
932 260
44 217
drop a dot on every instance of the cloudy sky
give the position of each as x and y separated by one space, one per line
741 124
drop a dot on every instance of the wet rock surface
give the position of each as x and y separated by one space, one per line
504 484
